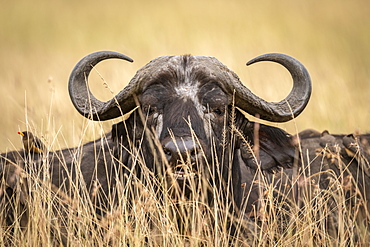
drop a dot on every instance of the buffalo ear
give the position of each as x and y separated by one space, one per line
276 149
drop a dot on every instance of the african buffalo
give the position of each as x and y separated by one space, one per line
184 127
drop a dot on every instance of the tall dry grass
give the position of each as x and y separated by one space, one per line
42 41
151 210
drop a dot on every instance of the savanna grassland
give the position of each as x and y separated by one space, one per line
41 41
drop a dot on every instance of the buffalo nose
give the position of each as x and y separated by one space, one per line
181 149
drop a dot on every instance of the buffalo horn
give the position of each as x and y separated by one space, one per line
85 102
287 108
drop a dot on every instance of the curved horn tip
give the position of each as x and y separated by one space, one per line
108 54
270 57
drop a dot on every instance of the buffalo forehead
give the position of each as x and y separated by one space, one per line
187 91
189 66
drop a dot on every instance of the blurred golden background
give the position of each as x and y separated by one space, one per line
41 41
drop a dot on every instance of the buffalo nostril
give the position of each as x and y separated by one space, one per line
193 153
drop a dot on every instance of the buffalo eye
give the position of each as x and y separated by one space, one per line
149 110
218 111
